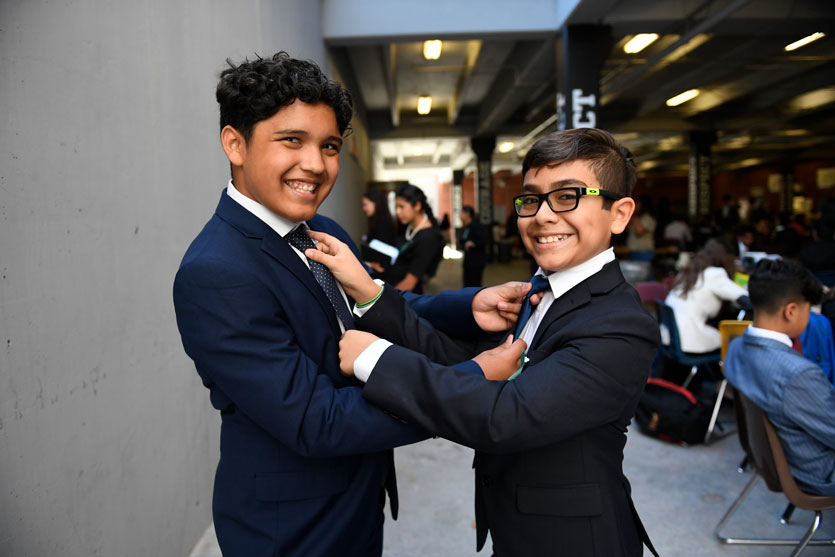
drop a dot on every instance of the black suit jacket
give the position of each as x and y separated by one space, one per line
549 444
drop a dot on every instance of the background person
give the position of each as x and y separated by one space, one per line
794 393
641 237
421 246
380 227
380 222
697 295
473 243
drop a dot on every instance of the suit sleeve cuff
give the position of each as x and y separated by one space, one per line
470 367
368 358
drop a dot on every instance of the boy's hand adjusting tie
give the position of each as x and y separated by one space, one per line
300 240
540 284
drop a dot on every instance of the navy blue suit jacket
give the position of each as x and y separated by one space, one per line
304 459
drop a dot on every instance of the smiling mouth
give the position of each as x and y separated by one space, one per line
552 239
302 187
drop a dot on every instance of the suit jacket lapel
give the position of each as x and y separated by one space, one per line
276 247
601 282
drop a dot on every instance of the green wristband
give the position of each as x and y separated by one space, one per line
372 300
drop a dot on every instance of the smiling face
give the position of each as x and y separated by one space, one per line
559 241
291 161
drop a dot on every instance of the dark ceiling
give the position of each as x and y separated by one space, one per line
766 105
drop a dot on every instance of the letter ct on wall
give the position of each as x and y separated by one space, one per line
581 51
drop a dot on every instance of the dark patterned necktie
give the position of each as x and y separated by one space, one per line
540 284
300 240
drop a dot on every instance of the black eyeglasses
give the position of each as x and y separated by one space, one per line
559 200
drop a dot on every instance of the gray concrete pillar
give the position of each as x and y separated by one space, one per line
483 148
699 183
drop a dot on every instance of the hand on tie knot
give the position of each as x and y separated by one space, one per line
343 265
497 308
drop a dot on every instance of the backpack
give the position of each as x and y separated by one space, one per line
672 413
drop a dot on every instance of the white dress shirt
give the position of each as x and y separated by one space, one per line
773 335
560 282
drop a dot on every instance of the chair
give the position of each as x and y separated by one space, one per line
729 329
649 292
667 321
769 462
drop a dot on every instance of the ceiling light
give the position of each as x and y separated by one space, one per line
683 97
424 104
432 49
790 133
505 146
744 163
813 99
803 42
639 42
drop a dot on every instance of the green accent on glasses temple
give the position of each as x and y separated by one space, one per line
528 204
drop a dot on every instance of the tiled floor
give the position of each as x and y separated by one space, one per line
680 492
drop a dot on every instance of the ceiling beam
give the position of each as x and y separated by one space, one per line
454 107
526 67
389 56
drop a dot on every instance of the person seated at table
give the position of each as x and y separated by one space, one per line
794 393
697 295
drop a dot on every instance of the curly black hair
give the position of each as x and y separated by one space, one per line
255 90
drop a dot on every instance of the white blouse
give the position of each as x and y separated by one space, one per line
702 302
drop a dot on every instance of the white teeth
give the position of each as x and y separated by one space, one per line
551 239
306 187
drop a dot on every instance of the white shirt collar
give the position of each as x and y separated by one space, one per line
278 223
773 335
563 281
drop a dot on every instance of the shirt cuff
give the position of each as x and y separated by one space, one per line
360 311
365 362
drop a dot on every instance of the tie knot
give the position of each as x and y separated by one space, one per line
299 239
540 284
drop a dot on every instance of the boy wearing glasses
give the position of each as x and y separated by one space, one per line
549 443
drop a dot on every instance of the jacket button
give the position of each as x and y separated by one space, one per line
485 481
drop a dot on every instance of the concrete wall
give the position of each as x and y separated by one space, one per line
109 165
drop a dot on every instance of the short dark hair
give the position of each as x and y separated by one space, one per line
469 210
611 162
255 90
774 284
